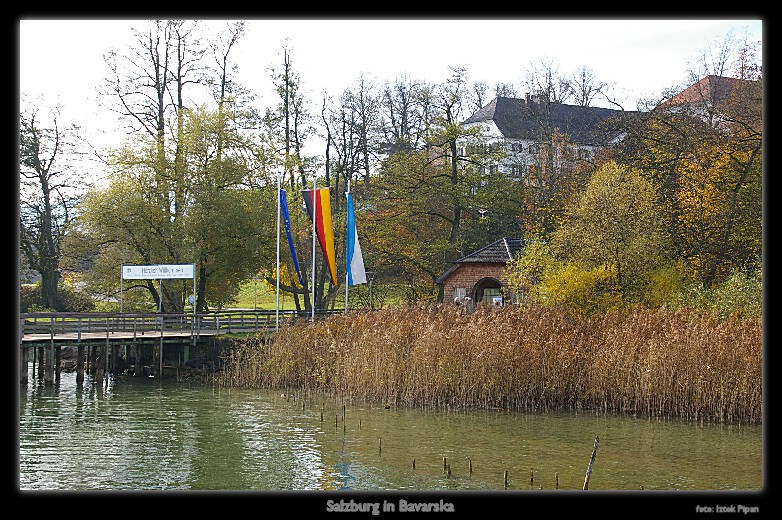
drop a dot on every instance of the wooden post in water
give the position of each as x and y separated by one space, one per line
80 363
41 365
24 354
48 377
139 370
591 461
57 360
99 363
160 354
506 479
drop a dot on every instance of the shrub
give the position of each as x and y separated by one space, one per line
71 300
582 289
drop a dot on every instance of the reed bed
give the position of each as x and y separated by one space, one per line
658 363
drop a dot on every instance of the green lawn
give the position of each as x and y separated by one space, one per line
255 295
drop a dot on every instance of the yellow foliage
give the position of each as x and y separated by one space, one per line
285 278
580 288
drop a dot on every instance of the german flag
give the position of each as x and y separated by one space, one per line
320 199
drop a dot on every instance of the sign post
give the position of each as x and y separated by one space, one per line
160 272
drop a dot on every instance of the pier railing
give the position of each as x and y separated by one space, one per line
38 324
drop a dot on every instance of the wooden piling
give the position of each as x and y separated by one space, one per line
24 354
556 480
48 377
80 363
506 479
413 463
41 363
57 362
591 462
470 460
531 477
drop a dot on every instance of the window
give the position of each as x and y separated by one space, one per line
459 294
518 170
489 294
584 153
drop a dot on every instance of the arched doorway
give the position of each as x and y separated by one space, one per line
487 290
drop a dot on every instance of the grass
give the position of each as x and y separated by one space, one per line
657 363
255 295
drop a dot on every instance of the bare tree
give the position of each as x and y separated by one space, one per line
584 87
543 79
48 193
505 90
402 104
477 96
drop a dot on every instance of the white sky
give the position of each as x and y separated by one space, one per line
61 60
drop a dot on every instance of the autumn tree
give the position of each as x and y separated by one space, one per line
148 84
425 201
703 148
608 245
182 189
557 171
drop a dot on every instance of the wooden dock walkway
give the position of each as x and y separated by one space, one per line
103 334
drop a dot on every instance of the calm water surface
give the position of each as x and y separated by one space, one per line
145 434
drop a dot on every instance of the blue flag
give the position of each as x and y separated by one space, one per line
354 261
287 220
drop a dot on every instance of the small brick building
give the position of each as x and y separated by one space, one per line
478 277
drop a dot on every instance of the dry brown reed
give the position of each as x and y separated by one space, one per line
658 363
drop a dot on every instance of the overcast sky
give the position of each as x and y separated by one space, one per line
60 60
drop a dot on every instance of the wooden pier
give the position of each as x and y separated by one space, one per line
110 340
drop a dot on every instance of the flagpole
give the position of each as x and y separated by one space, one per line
314 214
347 265
277 303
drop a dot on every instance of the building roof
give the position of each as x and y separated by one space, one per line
708 90
499 252
524 119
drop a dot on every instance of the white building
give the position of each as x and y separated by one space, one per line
526 128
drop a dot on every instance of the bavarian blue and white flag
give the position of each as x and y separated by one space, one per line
354 261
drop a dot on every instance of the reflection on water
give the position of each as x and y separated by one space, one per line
139 434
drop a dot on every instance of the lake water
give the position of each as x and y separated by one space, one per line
138 434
